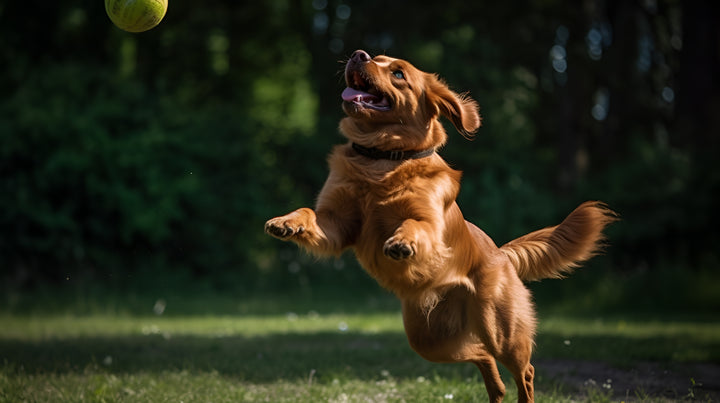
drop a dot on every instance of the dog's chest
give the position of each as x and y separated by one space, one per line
384 204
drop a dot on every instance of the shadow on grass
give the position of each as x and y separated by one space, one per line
254 359
625 350
328 356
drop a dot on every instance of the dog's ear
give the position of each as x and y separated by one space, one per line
462 110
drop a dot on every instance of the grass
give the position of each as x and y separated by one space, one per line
77 346
294 357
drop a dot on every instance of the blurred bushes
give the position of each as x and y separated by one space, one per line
103 178
95 174
126 158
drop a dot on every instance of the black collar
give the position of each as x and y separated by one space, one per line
399 155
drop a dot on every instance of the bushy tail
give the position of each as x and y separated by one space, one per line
554 251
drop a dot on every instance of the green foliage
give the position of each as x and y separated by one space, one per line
79 164
101 175
133 158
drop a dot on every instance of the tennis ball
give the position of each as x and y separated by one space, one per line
136 15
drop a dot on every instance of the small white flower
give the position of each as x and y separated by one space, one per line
449 396
566 342
385 373
342 326
159 307
420 379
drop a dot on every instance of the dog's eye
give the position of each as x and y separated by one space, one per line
399 74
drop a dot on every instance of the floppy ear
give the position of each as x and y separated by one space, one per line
459 108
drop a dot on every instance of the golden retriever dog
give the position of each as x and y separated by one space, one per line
391 198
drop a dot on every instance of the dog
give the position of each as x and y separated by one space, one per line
391 198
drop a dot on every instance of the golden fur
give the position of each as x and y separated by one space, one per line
463 299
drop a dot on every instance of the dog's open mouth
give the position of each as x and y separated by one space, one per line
361 93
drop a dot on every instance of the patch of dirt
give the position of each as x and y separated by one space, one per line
643 381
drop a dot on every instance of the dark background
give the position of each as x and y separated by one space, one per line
134 160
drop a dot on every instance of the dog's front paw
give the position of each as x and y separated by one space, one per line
398 249
283 227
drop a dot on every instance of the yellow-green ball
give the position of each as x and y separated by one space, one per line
136 15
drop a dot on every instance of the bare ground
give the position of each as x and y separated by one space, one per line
643 381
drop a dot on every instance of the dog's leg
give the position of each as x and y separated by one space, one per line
409 239
319 233
517 362
491 376
524 381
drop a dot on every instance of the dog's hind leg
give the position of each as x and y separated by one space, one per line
491 376
517 361
524 380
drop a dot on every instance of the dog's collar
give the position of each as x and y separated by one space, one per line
398 155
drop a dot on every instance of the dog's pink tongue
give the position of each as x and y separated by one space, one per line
351 94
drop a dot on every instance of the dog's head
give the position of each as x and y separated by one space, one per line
392 105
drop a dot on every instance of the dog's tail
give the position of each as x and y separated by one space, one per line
554 251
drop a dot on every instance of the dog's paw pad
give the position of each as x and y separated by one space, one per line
282 230
398 250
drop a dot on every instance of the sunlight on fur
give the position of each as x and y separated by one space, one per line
391 200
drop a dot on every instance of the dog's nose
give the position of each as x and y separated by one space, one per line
360 56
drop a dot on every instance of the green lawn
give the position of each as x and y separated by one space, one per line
306 356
